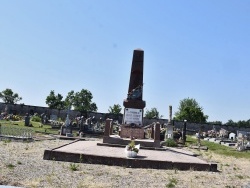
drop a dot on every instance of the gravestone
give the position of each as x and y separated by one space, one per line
27 120
169 132
66 129
53 117
133 104
232 136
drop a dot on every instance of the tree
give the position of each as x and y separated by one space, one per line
55 101
8 96
191 111
115 109
231 123
215 122
153 113
81 101
70 98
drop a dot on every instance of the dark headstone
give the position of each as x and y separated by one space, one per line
152 132
65 130
27 120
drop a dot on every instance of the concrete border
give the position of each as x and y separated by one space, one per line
139 162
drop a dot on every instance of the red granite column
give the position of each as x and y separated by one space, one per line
107 127
157 135
136 74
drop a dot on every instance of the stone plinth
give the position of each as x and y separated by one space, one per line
130 132
134 104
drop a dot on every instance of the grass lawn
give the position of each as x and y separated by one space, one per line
36 126
220 149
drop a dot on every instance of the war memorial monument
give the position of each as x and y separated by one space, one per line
111 150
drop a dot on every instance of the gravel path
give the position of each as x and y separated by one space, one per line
22 164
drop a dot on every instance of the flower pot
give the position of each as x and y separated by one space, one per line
131 154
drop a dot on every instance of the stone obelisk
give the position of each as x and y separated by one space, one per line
133 104
135 90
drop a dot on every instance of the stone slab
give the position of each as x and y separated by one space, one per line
128 132
212 139
90 152
217 141
230 144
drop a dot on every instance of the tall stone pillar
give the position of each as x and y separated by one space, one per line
135 90
170 115
169 132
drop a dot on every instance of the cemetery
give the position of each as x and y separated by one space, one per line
131 143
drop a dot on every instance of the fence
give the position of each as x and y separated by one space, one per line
13 131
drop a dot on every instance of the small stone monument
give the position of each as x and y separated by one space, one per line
169 132
66 129
133 104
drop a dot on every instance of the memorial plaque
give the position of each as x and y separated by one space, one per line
133 116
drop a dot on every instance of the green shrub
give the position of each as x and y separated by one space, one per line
74 167
172 183
10 166
170 143
36 119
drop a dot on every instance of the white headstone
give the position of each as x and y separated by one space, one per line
169 132
232 136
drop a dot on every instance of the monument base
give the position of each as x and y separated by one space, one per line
139 104
130 132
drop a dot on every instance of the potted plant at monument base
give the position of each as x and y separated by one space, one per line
131 149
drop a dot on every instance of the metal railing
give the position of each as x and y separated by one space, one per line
16 131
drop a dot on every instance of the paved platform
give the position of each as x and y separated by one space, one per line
91 152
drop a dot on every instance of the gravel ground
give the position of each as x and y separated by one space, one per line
22 164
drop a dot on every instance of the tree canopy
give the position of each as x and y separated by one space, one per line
8 96
191 111
81 101
152 113
115 109
55 101
240 123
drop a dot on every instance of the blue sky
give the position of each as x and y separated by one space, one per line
196 49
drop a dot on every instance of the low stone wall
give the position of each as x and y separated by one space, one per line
196 126
23 109
20 109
